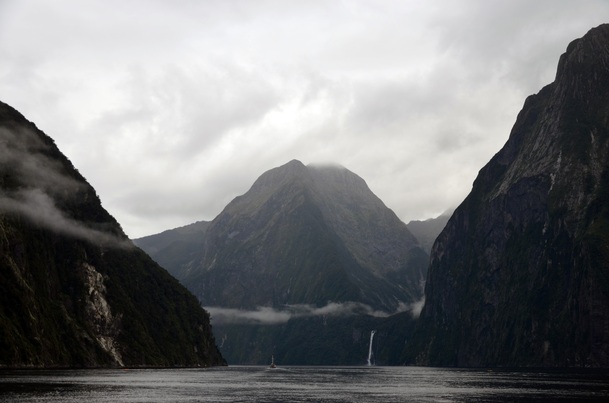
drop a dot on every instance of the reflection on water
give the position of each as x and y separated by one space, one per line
303 384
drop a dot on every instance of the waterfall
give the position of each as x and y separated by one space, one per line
370 348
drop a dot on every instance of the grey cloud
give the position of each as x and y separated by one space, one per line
519 41
170 112
181 112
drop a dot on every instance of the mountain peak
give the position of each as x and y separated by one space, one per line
306 234
586 59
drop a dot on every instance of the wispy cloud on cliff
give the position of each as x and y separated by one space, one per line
274 316
26 154
39 207
38 181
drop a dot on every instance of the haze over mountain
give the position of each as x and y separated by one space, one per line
304 241
74 291
520 274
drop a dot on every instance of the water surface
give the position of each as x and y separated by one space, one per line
302 384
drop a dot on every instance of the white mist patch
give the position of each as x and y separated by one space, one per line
274 316
40 180
262 315
416 307
40 208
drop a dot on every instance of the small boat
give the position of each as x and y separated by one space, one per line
272 362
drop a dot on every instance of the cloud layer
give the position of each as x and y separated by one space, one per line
273 316
171 111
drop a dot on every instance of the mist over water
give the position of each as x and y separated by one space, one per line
303 384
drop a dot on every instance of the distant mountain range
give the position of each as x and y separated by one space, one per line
520 274
74 291
302 235
428 230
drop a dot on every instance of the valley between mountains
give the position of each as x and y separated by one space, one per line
307 247
309 262
313 268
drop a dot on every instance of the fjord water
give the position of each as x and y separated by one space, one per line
302 384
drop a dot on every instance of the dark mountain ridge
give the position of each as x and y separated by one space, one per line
306 235
520 274
74 291
427 231
314 246
173 247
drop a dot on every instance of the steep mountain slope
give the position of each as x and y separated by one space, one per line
520 274
307 235
173 247
74 291
427 231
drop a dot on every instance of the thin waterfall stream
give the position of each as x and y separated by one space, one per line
370 348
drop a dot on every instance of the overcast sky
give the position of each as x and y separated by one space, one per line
171 109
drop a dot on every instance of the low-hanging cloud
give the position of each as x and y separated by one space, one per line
38 180
27 155
264 315
40 208
416 307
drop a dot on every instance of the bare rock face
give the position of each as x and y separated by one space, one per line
520 274
74 291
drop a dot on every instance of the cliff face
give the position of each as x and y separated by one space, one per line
520 274
74 291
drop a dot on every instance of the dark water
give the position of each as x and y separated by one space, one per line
303 384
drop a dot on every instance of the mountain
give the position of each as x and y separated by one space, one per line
173 247
74 291
520 274
428 230
310 260
305 235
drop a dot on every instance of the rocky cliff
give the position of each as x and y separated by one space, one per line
520 274
74 291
